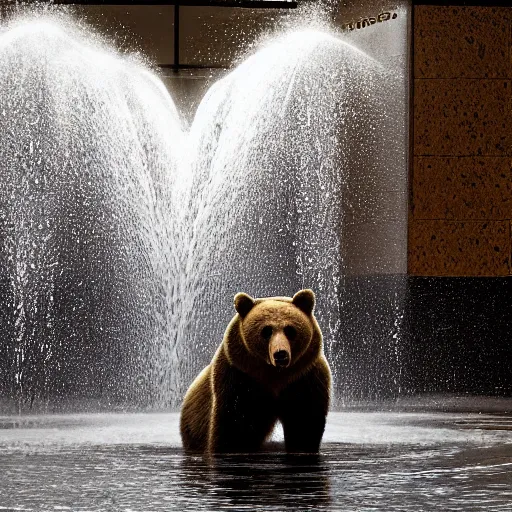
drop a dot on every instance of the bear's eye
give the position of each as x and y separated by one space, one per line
290 332
266 332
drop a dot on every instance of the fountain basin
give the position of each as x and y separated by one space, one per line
420 457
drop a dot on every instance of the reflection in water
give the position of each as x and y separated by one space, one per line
274 479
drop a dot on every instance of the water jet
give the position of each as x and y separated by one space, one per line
127 234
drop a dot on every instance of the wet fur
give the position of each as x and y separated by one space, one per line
234 403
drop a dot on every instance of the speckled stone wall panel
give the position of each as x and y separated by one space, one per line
475 188
461 178
461 117
461 42
470 248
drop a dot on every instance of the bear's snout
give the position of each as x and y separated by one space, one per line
280 351
281 358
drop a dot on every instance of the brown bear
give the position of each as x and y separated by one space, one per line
270 366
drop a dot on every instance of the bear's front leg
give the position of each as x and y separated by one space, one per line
303 408
243 413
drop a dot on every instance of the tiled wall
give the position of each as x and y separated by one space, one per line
461 201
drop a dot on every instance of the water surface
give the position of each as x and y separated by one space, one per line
369 461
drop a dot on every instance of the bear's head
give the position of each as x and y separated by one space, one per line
278 330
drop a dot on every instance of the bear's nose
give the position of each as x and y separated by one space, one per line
282 358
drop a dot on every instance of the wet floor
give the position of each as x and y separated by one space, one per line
369 461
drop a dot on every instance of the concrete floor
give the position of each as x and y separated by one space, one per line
370 461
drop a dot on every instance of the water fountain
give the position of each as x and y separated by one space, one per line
126 236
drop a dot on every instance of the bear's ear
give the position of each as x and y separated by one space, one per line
305 301
243 304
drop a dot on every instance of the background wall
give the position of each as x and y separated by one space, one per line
458 326
461 186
